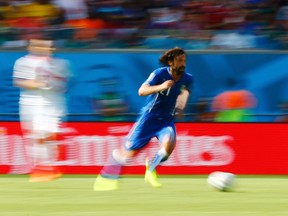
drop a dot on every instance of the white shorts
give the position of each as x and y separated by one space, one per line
39 121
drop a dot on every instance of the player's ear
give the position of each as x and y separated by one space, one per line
170 62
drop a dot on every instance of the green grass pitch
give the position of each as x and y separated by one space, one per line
179 196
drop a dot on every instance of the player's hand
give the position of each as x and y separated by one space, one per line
168 84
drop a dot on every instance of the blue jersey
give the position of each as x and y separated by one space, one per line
163 103
156 119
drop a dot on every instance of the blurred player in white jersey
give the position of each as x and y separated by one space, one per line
42 80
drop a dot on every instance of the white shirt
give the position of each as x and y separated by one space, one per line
53 71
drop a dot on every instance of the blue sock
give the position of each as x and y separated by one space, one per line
160 157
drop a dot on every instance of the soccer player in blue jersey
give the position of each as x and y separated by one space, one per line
167 91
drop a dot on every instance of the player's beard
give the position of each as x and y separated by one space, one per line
179 71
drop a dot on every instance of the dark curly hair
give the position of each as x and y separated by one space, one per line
170 54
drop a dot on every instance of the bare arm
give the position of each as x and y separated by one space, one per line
182 100
146 89
29 84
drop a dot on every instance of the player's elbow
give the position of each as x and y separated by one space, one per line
141 93
142 90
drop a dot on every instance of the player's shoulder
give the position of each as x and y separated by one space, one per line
29 58
188 76
60 60
21 59
61 63
160 70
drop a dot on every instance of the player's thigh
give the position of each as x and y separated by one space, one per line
28 114
139 137
167 137
46 121
52 118
136 142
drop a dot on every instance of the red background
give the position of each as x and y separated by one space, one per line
259 148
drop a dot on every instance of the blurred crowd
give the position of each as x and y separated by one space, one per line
152 24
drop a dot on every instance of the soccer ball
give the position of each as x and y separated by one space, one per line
222 181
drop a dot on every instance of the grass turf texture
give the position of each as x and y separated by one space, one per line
179 196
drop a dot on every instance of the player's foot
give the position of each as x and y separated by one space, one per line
44 174
151 176
44 177
105 184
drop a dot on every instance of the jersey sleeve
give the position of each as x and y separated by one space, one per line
153 78
22 70
61 68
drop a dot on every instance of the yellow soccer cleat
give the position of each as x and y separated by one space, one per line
105 184
151 177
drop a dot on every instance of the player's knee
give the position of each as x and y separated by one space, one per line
169 139
119 157
164 154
